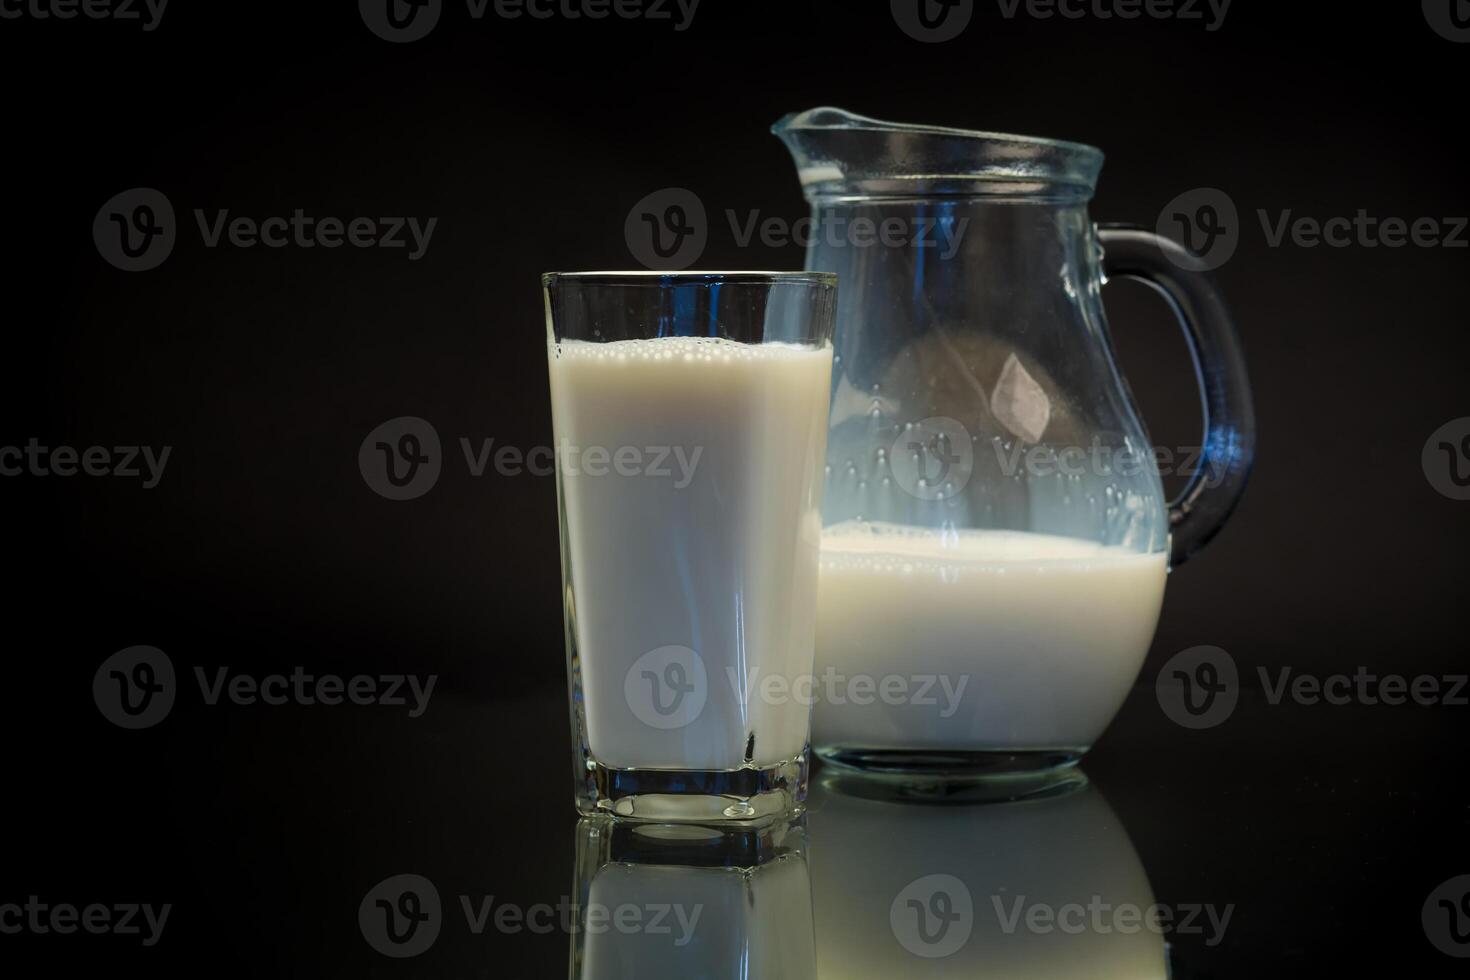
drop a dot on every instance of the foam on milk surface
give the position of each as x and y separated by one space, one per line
687 350
896 546
1046 634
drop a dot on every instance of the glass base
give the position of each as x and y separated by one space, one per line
717 797
605 839
938 776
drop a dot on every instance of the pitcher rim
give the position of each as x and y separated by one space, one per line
869 124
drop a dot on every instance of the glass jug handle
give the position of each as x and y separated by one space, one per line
1229 417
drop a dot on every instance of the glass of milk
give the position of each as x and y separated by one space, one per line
690 418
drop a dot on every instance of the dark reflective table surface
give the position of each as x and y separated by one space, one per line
310 842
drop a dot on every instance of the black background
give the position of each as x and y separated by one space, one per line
263 548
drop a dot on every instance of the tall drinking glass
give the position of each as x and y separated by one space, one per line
690 415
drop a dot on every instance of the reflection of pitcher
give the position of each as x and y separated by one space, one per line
687 901
996 537
949 890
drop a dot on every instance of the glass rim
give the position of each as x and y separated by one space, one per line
696 277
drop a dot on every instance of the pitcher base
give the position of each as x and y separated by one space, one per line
940 776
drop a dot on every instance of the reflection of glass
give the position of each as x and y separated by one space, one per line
662 901
909 890
690 417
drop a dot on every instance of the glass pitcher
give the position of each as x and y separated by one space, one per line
995 533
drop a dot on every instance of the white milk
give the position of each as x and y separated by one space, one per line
708 541
1046 634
